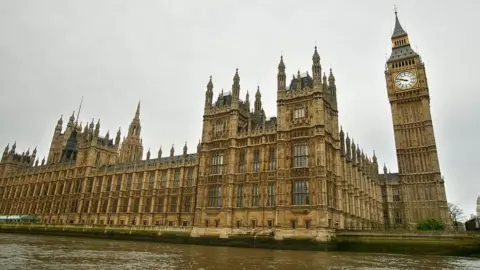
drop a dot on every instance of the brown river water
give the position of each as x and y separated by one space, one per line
51 252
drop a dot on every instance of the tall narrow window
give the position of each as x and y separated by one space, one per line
118 183
147 205
255 195
214 196
176 178
217 163
187 204
299 113
256 161
396 195
301 193
109 184
164 179
190 177
139 181
300 155
173 204
159 207
272 159
239 194
151 180
271 195
241 161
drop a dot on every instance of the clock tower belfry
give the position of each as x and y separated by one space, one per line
422 187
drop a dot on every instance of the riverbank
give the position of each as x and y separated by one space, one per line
460 244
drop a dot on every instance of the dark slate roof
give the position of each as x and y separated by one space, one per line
401 53
305 81
389 177
398 30
224 100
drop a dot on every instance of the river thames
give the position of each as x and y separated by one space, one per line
51 252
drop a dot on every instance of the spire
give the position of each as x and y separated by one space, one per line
185 149
137 113
316 56
331 78
236 86
199 146
210 84
398 30
281 65
148 154
160 152
172 151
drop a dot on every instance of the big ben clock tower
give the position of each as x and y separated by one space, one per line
422 187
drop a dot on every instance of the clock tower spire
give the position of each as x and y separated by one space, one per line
422 186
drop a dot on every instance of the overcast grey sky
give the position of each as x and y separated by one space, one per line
117 52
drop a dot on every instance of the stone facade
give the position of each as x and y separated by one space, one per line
298 170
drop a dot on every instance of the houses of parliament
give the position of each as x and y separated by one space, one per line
296 171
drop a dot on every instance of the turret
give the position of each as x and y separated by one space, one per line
332 90
160 153
236 86
258 102
247 101
281 78
185 150
348 149
209 94
148 154
172 152
316 70
97 128
342 143
354 153
59 127
5 152
199 146
117 138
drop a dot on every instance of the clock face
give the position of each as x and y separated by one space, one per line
405 80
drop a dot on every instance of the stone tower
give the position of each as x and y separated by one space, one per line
132 148
423 190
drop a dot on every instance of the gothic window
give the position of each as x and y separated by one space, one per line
118 185
219 128
300 155
301 192
271 195
272 159
239 196
164 179
396 195
384 193
256 161
159 208
217 163
85 206
173 204
104 205
190 177
139 181
299 113
255 195
136 205
129 182
176 178
241 162
214 196
109 184
148 203
187 204
398 218
114 205
99 185
151 180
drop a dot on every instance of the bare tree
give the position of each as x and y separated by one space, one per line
456 213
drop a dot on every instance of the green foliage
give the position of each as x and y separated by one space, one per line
431 224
